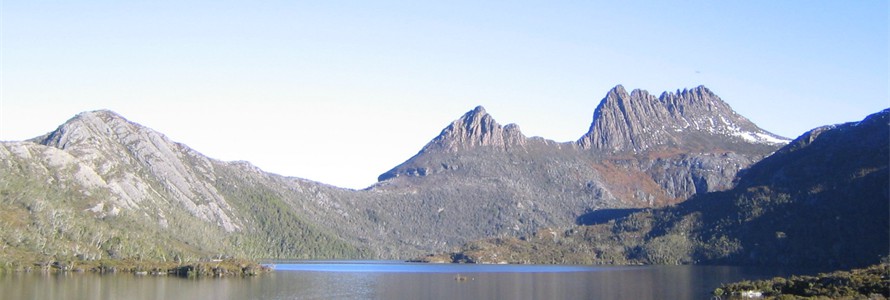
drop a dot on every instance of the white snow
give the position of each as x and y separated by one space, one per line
772 139
759 137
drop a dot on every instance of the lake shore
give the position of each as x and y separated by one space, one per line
208 268
872 282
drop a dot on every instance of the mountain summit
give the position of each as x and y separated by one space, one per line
474 129
688 121
132 161
696 120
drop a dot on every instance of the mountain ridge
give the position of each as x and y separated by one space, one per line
521 187
821 200
89 134
617 129
477 178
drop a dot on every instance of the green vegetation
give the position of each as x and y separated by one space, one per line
754 226
276 230
48 216
868 283
210 268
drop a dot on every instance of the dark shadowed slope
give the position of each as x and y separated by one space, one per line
821 201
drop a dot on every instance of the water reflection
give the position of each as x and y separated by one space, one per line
616 284
395 281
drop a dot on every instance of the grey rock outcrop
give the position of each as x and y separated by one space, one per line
476 128
691 120
121 152
685 175
642 151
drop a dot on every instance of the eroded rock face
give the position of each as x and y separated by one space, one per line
689 141
134 162
476 128
642 151
695 119
685 175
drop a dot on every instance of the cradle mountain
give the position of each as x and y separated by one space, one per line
101 186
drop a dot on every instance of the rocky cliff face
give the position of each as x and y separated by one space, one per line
476 128
652 152
687 142
684 175
691 120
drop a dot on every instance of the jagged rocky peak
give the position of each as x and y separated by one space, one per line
701 109
621 121
474 129
692 118
698 99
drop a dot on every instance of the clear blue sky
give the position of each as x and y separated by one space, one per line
340 92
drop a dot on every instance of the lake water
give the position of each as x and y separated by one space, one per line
395 280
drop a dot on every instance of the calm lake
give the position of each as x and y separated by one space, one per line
396 280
